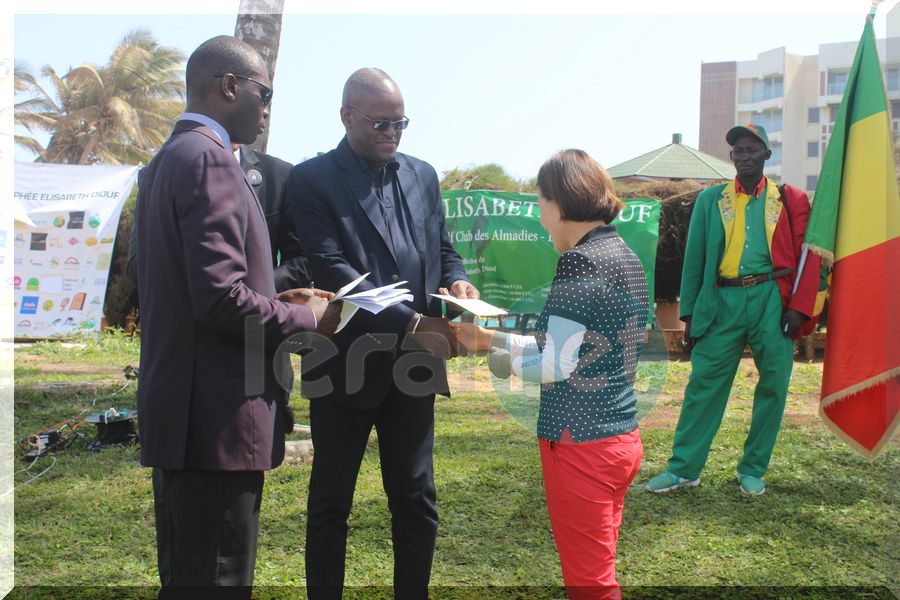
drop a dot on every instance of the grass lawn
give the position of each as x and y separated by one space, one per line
828 518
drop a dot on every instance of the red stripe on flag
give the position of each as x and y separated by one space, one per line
867 416
863 319
862 351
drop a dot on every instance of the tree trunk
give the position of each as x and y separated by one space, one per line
259 24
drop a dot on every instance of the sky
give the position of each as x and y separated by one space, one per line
481 85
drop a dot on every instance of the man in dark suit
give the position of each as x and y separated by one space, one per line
208 396
363 208
268 175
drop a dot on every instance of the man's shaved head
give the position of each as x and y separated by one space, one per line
365 83
371 97
217 56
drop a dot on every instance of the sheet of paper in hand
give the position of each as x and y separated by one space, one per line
479 308
374 300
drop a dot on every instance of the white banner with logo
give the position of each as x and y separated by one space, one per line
66 217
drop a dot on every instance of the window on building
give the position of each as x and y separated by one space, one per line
895 109
775 160
892 79
837 81
767 88
812 149
813 115
811 181
832 112
771 120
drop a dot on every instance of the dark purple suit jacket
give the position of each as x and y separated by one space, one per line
208 269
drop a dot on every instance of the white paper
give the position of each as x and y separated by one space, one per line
374 300
479 308
347 312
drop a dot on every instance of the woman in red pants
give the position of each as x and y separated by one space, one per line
584 354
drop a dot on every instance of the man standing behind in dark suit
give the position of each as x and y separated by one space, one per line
268 175
364 208
208 398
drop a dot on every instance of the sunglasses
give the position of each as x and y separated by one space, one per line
384 124
265 92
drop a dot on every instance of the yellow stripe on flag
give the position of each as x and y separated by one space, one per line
869 209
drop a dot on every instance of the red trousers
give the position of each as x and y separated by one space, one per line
585 485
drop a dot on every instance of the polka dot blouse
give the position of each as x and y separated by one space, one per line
600 283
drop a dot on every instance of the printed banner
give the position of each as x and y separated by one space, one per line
509 257
63 243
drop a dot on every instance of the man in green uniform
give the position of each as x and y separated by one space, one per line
738 288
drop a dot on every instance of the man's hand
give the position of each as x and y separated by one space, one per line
461 289
331 319
792 321
433 334
298 295
313 299
687 341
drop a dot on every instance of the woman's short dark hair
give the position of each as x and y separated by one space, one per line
581 188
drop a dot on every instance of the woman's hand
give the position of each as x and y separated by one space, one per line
474 337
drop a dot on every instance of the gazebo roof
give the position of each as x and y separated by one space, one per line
675 161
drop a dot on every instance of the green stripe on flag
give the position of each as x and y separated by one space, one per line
868 97
863 97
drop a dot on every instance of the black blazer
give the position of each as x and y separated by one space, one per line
338 223
268 176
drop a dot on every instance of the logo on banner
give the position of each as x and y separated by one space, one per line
91 241
48 305
33 284
76 220
29 305
73 240
72 262
78 301
24 324
94 221
16 282
59 221
104 261
38 241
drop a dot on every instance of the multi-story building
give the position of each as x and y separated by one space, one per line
796 98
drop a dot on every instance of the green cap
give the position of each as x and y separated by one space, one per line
755 130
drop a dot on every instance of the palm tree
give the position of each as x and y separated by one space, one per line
29 114
259 24
120 113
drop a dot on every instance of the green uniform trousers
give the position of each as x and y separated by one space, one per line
745 316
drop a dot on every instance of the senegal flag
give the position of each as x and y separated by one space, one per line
855 227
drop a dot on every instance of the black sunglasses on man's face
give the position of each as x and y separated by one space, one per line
265 92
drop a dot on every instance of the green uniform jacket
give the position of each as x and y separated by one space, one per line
706 247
